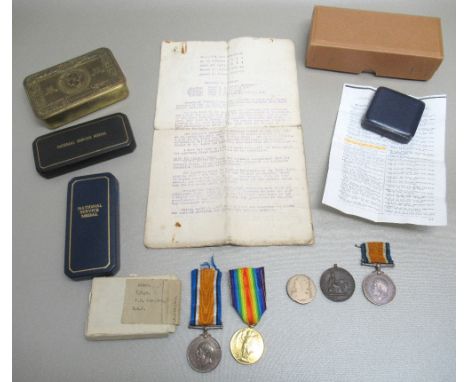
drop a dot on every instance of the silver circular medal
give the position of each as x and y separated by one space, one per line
301 289
378 288
204 353
337 284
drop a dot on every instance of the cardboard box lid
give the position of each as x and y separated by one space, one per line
377 31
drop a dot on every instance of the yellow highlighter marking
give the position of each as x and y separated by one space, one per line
364 144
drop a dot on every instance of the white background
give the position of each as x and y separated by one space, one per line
411 339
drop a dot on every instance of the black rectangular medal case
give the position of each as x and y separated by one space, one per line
82 145
92 245
393 115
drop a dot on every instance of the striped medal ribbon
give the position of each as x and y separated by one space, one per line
204 352
248 294
205 308
375 252
378 288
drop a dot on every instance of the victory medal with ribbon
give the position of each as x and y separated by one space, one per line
204 352
249 300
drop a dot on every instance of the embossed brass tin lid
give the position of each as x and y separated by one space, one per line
74 88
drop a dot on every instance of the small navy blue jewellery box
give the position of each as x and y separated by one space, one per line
92 236
393 115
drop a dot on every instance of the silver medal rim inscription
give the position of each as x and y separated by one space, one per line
378 288
301 289
204 353
337 289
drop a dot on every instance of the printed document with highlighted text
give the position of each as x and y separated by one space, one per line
381 180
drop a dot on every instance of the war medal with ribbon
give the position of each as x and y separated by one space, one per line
249 300
204 352
378 288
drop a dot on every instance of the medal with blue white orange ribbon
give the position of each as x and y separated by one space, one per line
204 352
378 288
248 295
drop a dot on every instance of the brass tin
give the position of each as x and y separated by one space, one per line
76 87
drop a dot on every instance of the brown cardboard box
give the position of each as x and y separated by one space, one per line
387 44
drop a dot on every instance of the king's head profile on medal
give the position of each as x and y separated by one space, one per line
378 288
301 289
204 352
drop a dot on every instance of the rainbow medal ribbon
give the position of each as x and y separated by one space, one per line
204 352
378 288
248 294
